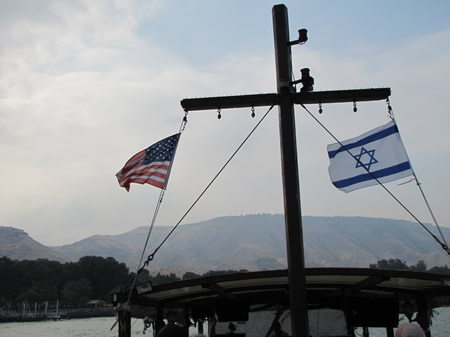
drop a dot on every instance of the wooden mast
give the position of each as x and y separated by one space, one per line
285 98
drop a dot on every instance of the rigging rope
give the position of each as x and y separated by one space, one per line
133 283
155 214
429 209
152 255
443 245
391 115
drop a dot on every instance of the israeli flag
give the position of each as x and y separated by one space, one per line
378 153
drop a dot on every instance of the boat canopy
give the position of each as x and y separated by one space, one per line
365 297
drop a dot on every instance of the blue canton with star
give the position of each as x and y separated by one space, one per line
369 161
162 150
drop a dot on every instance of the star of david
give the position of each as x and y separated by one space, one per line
369 161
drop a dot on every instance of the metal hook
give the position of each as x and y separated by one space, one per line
354 106
390 113
184 121
320 108
219 116
253 112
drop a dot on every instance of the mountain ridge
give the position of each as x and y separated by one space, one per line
257 242
17 245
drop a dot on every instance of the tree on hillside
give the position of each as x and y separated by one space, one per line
401 265
9 280
144 276
420 266
222 272
103 274
76 293
440 270
42 280
71 271
24 279
396 264
188 275
40 292
160 278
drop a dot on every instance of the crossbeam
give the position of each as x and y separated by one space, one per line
229 102
341 96
313 97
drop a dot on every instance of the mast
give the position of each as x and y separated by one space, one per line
285 98
289 164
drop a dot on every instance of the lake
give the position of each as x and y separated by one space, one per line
91 327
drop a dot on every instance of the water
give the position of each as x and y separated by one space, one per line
91 327
87 327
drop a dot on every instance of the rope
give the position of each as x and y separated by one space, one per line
160 199
155 214
430 210
139 269
391 116
152 255
443 245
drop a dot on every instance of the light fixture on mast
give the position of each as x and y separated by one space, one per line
302 37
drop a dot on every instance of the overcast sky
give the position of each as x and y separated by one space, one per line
84 85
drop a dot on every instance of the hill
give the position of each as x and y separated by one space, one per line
17 245
256 242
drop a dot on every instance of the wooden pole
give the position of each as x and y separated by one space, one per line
289 162
124 323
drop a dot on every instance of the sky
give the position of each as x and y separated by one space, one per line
84 85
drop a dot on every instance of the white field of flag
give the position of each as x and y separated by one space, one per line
378 153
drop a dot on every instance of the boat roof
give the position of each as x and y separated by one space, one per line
337 288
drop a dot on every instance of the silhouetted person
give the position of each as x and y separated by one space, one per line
172 329
231 329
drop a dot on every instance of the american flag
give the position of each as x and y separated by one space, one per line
150 166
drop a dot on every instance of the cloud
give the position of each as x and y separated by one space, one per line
83 87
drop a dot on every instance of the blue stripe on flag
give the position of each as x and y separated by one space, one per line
369 139
369 176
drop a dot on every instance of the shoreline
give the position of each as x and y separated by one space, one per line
63 314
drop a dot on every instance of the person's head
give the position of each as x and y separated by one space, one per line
172 316
231 328
409 330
